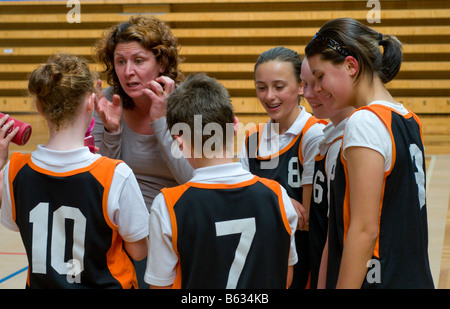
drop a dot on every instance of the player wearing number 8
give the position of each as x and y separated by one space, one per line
283 149
225 228
80 215
377 197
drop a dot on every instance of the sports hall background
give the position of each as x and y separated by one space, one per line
224 39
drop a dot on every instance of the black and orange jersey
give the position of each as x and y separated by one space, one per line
229 235
318 213
65 227
286 167
400 257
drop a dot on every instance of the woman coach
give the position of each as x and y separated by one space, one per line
141 63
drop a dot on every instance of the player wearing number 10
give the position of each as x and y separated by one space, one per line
377 197
225 228
80 215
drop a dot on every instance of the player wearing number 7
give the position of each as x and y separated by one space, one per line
377 198
225 228
80 215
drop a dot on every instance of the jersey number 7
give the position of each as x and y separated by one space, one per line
247 229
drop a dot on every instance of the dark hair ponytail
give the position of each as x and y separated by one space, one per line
344 37
391 59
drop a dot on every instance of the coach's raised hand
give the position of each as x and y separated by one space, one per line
109 112
158 90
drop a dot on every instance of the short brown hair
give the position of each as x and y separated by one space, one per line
153 34
200 95
60 87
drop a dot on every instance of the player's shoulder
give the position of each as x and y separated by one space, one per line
270 183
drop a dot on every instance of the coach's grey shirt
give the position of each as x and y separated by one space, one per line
149 156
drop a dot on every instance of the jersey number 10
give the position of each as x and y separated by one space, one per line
39 217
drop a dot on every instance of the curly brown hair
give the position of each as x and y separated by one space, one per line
152 34
60 86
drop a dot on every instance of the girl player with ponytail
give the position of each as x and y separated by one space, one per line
81 216
378 215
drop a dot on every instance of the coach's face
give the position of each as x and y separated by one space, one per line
135 67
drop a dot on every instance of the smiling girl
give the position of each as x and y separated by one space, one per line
324 167
378 213
284 148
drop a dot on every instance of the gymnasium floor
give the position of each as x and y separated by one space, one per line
13 261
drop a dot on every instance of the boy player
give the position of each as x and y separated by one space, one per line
225 228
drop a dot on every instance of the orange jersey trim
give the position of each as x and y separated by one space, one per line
17 161
103 170
384 113
172 195
259 129
320 157
276 188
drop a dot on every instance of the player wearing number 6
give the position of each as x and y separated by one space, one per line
324 167
377 198
80 215
225 228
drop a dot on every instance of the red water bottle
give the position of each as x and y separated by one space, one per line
89 140
24 133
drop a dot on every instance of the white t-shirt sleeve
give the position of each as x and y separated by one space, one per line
292 217
310 148
6 208
126 206
162 258
365 129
